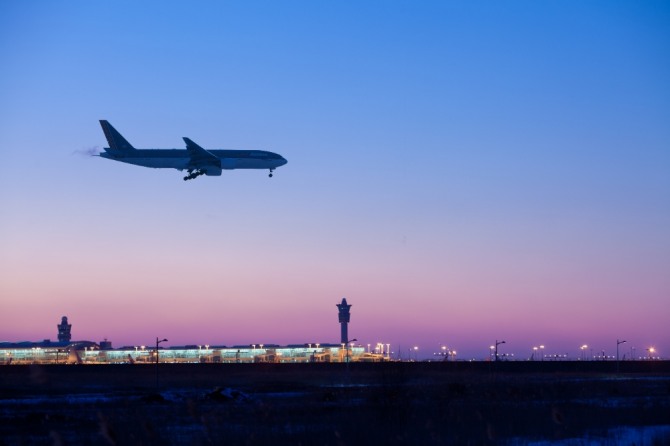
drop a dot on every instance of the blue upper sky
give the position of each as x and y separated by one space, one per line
461 156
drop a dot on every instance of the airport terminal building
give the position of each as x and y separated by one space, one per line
85 352
66 351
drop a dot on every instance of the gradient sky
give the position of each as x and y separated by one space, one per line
460 171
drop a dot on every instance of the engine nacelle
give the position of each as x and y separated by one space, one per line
212 171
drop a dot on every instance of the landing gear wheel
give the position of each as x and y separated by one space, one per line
271 170
193 174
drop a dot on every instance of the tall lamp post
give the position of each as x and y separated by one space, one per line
583 349
347 347
496 349
618 342
651 351
157 343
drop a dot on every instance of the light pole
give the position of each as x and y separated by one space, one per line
651 351
618 342
347 347
157 343
583 349
496 348
541 352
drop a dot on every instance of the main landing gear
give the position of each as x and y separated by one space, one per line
193 174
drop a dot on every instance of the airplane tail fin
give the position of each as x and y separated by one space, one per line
117 143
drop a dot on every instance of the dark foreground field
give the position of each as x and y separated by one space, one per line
337 404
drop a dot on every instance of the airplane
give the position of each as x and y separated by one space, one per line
194 159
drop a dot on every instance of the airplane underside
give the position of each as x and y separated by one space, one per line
194 172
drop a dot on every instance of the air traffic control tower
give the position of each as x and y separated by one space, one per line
344 320
64 330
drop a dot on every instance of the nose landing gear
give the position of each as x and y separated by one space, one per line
271 170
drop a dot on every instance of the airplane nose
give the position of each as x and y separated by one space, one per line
283 161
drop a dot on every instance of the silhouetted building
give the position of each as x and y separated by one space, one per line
64 330
344 320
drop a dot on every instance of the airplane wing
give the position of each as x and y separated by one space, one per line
201 157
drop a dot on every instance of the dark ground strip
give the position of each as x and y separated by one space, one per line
328 404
